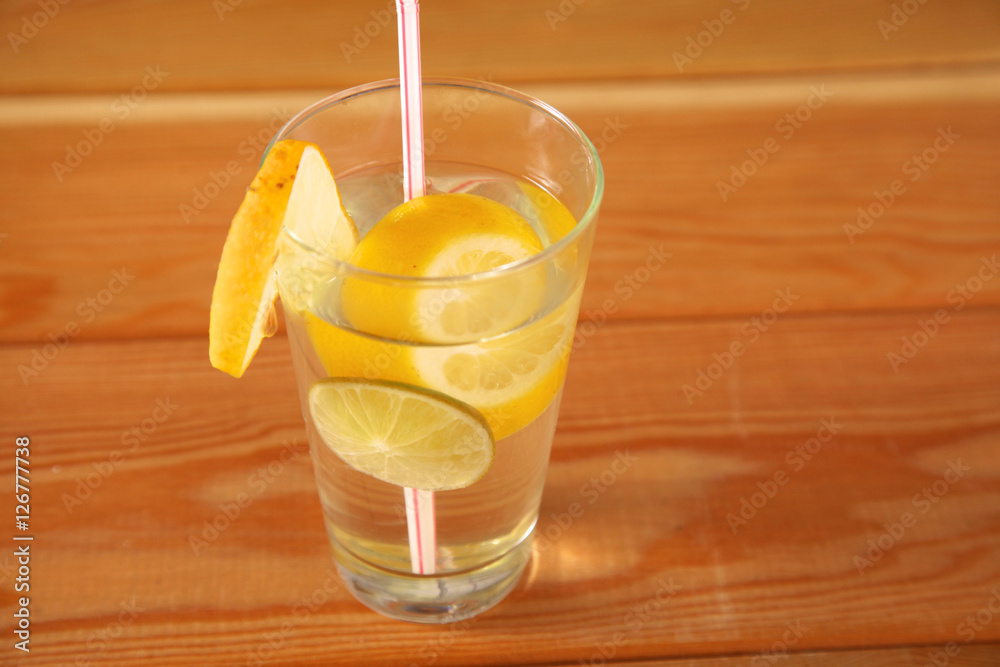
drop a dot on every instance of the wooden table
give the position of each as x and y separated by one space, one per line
809 386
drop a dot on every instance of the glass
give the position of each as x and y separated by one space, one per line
483 139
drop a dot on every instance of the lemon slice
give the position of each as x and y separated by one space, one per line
401 434
344 353
510 379
294 187
553 217
445 236
491 360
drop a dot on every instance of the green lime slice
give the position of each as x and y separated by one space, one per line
401 434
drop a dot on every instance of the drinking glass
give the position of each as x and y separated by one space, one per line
483 139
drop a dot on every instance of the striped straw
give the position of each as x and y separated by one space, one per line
420 524
409 91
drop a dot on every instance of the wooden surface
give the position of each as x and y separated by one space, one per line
102 259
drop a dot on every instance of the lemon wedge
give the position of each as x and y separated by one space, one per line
401 434
294 188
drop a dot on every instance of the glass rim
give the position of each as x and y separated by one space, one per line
585 221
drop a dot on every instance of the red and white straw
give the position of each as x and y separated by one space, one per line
409 91
420 529
420 524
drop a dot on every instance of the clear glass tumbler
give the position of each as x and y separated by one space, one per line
482 139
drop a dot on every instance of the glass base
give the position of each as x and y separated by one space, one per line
432 598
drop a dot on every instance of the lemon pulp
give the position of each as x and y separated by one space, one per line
442 236
479 352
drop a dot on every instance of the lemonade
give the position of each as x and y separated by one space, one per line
512 376
430 338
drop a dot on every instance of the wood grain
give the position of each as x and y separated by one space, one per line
665 518
720 377
265 44
671 146
971 656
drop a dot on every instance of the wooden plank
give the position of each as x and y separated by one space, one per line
262 44
666 149
972 655
667 517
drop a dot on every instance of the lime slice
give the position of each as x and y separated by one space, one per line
402 434
295 188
